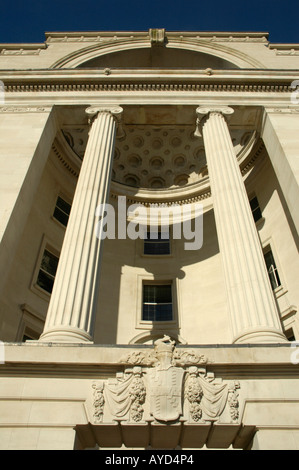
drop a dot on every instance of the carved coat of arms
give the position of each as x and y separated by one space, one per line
165 384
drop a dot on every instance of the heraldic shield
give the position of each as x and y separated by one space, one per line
166 393
165 383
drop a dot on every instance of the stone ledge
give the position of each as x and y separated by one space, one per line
68 354
160 436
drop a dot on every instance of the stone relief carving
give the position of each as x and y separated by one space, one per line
24 109
165 382
165 385
165 346
126 394
98 401
137 394
194 393
233 400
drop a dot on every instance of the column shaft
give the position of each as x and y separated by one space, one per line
252 307
73 303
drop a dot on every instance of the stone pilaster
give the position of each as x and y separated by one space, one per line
252 307
73 303
280 135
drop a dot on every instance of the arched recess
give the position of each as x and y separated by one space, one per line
185 54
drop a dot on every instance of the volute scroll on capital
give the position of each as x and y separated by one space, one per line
203 112
115 111
93 111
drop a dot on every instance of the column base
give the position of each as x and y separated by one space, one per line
260 335
65 334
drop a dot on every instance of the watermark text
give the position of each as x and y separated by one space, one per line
137 220
2 91
295 93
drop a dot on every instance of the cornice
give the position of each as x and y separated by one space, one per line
285 49
70 80
106 35
22 49
147 85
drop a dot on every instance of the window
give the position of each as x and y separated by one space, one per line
272 269
157 302
255 209
62 211
290 334
31 324
29 336
47 271
157 243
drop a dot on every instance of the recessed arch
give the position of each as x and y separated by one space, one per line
192 54
158 58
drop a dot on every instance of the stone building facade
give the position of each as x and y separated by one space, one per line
149 241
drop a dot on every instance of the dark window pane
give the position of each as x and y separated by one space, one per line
157 303
156 248
47 271
49 263
61 216
154 236
45 281
149 312
255 209
157 243
62 211
164 312
157 294
272 269
152 312
63 205
25 338
290 335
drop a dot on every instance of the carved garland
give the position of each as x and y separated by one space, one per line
137 394
98 401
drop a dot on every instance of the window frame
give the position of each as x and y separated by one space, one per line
31 324
268 245
261 219
46 244
156 303
258 208
159 240
141 242
157 324
272 270
67 201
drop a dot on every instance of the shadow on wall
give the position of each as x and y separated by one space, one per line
129 254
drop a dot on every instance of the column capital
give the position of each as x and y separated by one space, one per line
205 111
115 111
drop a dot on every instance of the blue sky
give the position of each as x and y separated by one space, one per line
27 21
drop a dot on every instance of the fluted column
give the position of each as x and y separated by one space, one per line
252 307
73 303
